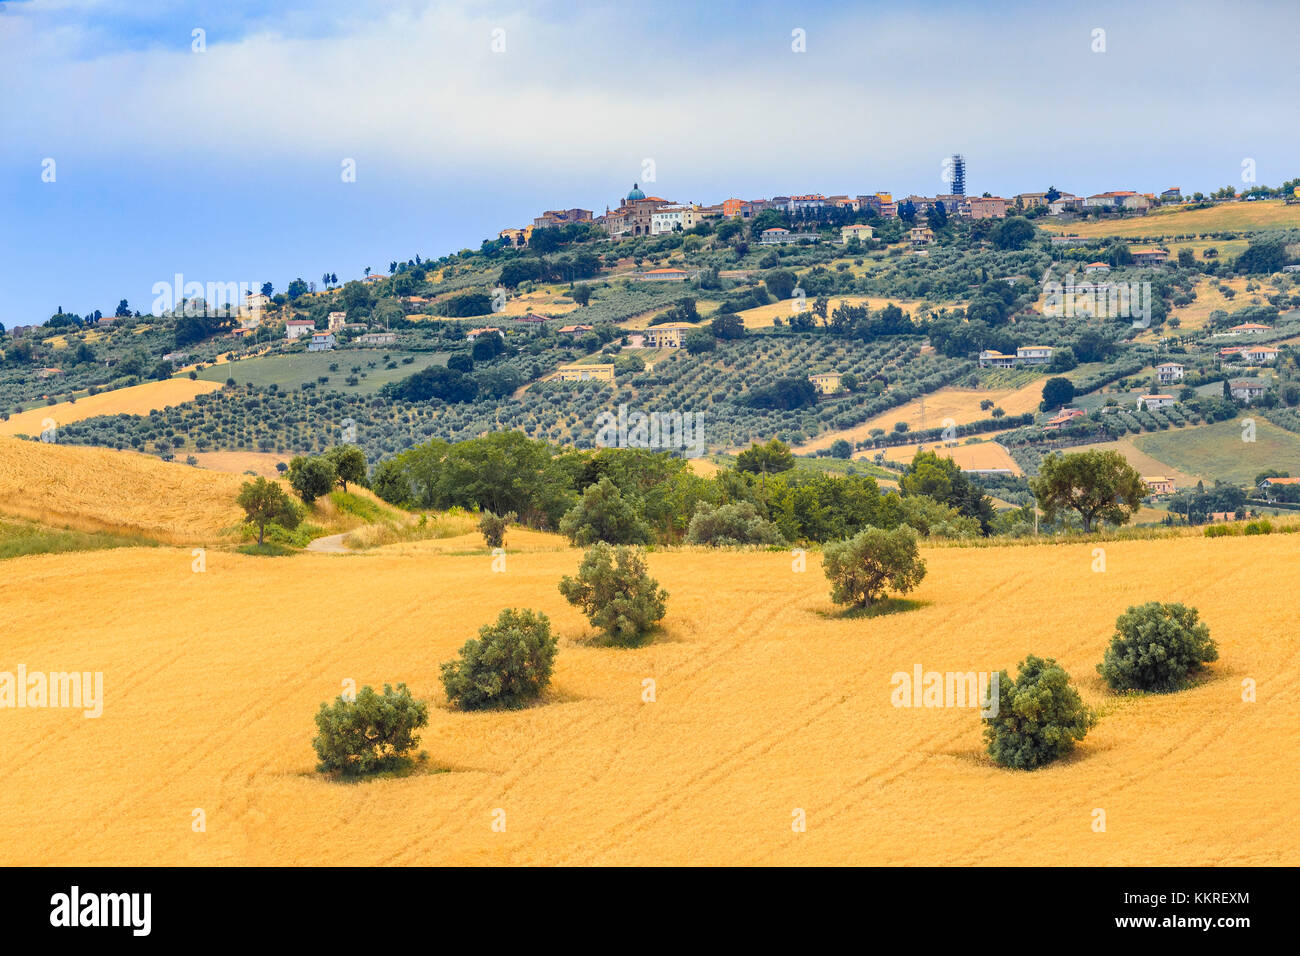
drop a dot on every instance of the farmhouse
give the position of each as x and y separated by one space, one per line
1246 391
665 275
321 342
1069 241
377 338
990 358
296 327
667 336
826 383
921 235
775 234
1167 372
585 373
1247 328
1063 418
849 233
574 331
1096 267
1033 355
1276 489
1149 257
1259 354
337 320
1150 402
1025 355
1159 485
48 372
472 334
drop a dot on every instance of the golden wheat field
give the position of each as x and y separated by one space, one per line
960 405
766 703
132 400
1178 221
99 489
975 456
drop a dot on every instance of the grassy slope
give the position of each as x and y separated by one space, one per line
290 371
1217 451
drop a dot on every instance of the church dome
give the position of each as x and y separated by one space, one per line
635 194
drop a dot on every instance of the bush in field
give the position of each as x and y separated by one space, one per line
875 560
493 527
508 665
1157 647
730 525
374 732
602 514
616 594
1039 716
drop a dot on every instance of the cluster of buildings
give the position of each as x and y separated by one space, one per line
638 214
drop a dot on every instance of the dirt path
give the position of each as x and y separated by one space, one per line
330 544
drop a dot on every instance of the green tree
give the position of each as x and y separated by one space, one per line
769 459
349 463
311 477
1096 484
1057 392
614 591
509 665
780 283
1039 716
1157 647
265 502
863 568
1015 232
603 514
698 341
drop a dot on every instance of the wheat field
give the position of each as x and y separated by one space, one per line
132 400
766 703
99 489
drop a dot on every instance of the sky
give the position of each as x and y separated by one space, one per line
133 148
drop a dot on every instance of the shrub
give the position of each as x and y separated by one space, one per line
731 525
374 732
493 527
615 593
862 568
507 666
1039 716
602 514
1157 647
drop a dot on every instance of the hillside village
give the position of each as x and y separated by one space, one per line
881 307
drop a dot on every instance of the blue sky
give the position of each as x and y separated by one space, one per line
224 165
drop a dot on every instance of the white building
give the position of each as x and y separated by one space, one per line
296 327
321 342
1150 402
1169 372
